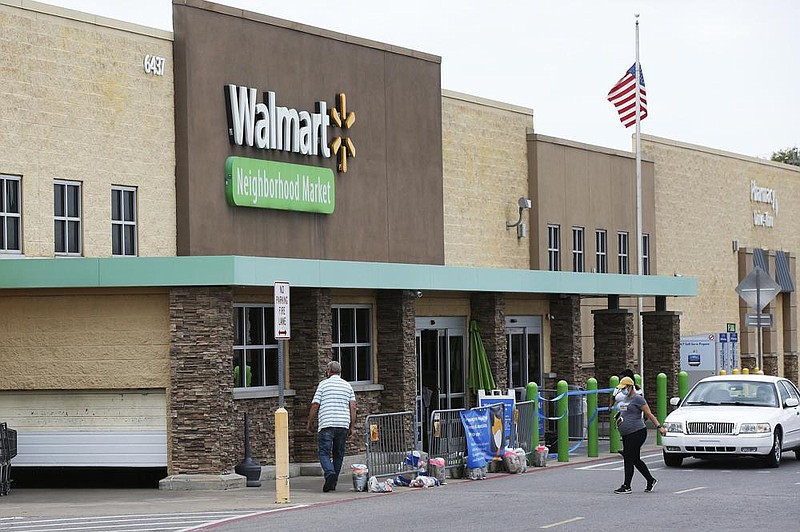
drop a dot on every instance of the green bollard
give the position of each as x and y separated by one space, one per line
563 422
683 384
614 444
591 406
661 402
532 394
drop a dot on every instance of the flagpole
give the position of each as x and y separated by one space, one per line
639 268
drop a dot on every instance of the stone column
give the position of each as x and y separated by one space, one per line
397 359
662 351
310 349
790 367
613 344
488 309
200 421
770 363
565 339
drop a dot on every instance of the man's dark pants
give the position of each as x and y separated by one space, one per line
331 442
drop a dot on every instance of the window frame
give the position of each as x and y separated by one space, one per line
264 347
5 214
554 247
66 218
123 190
645 254
601 251
623 247
578 247
336 347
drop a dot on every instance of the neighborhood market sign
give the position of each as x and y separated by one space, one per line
264 125
275 185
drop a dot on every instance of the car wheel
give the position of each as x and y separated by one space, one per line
773 459
672 460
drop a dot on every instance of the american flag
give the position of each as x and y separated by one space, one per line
623 97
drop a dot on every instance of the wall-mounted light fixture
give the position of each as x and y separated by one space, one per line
522 230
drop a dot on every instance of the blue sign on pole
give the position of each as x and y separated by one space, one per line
734 337
723 338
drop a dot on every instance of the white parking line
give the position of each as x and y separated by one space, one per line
690 489
563 522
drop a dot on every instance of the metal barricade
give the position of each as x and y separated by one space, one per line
526 420
389 437
447 439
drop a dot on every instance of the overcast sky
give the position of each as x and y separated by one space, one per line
719 73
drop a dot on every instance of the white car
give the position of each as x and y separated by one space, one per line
734 415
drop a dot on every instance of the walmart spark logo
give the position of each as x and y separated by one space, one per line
341 144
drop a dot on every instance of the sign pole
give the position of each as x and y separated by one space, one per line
758 310
282 333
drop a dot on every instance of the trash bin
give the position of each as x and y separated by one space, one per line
577 413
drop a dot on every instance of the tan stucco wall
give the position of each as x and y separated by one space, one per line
80 340
76 104
485 171
703 204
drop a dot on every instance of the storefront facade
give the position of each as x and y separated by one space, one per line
334 163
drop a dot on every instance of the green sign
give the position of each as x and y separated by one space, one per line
273 185
731 327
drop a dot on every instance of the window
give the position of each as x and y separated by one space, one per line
352 341
10 214
645 254
577 250
622 262
123 221
553 248
255 350
67 216
600 254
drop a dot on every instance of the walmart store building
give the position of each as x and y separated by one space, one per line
156 185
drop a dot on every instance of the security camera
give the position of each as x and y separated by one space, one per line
524 203
419 293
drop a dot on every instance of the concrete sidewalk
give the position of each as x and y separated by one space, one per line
304 490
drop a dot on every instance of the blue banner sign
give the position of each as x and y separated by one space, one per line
483 428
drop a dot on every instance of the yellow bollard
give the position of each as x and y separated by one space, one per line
735 371
745 371
723 372
281 456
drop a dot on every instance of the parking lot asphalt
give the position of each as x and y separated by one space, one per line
303 491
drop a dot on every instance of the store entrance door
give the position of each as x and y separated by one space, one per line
524 349
441 369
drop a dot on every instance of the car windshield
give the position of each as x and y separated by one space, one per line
734 392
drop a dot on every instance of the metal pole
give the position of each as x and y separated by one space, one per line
758 313
639 269
280 372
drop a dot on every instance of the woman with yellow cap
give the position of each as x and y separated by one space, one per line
632 410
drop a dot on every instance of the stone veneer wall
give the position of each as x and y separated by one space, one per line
770 363
397 360
613 344
565 339
790 367
200 426
488 309
310 351
662 351
261 422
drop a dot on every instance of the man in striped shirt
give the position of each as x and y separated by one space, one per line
335 403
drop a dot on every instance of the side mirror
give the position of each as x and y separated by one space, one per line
675 401
791 402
